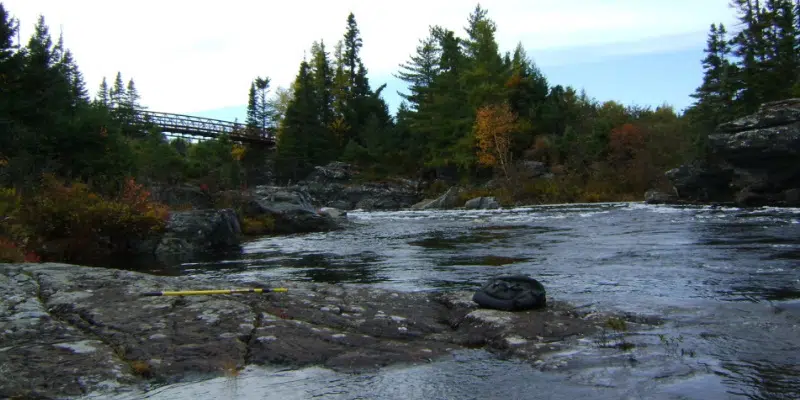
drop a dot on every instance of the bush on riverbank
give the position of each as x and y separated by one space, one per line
71 223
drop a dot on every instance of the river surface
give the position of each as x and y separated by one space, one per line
726 281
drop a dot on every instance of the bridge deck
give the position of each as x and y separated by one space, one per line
206 127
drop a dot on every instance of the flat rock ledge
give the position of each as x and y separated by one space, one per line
68 330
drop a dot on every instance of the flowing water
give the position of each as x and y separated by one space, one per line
725 280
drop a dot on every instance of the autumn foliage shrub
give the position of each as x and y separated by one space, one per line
71 223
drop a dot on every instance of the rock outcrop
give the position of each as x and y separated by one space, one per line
199 231
181 196
291 207
756 161
333 185
68 330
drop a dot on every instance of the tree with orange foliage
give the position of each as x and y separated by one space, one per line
629 156
625 143
494 125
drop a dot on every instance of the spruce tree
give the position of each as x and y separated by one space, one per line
117 94
352 48
264 112
10 60
132 97
486 71
79 95
252 109
420 71
715 96
783 52
749 47
297 139
323 82
103 96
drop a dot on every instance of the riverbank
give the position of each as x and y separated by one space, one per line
70 330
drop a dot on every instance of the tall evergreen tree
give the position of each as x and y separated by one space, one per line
715 96
323 82
252 108
299 133
749 46
103 96
782 35
117 93
132 97
420 71
448 135
486 73
263 110
352 48
78 94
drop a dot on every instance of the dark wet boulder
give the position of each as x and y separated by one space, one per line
482 203
199 231
701 181
292 208
450 199
654 196
511 293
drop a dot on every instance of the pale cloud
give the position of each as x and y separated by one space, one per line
187 56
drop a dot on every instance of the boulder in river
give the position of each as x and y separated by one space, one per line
450 199
654 196
69 330
482 203
292 208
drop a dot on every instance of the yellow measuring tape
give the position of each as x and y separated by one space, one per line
219 291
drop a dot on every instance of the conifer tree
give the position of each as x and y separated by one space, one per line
750 48
715 96
420 72
782 36
132 97
352 48
263 111
323 82
252 108
296 148
486 73
117 93
103 96
10 60
78 94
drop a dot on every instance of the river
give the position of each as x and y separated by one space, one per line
725 280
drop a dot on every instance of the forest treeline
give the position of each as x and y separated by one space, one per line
472 111
70 162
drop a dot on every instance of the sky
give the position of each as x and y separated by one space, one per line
199 57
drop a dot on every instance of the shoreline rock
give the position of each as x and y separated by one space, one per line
69 330
753 161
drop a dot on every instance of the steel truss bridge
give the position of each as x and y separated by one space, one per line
187 126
